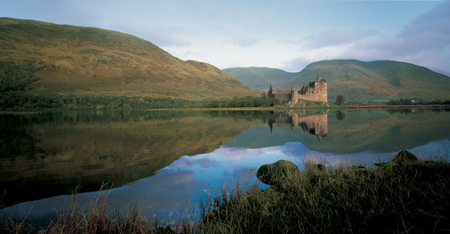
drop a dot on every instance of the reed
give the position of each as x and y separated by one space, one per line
394 197
99 217
399 196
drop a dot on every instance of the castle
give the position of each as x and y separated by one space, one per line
314 91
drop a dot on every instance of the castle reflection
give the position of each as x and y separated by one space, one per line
315 124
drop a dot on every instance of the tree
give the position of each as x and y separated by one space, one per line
340 99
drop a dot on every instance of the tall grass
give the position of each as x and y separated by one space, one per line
99 217
396 197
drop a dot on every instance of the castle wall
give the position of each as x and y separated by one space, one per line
318 92
314 91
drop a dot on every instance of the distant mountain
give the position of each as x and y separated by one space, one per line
259 77
375 81
73 60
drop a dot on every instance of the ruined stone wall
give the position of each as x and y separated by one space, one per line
314 91
283 96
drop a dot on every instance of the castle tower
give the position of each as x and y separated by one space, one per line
321 89
319 78
270 93
294 96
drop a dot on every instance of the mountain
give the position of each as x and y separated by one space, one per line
375 81
72 60
259 77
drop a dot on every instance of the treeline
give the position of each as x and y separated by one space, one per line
17 100
249 101
20 101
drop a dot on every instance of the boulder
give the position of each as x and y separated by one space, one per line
277 173
404 156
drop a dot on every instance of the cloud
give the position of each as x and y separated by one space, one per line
423 41
189 162
336 37
244 41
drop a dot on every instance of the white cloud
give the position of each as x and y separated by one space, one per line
336 37
245 41
423 41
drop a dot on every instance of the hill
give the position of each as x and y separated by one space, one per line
72 60
259 77
376 81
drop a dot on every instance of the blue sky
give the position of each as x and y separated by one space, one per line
285 34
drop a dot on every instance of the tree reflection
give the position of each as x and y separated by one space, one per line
340 115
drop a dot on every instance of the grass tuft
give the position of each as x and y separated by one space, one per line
409 197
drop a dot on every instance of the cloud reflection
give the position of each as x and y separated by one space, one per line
184 183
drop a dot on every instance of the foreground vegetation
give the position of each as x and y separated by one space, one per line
98 218
404 195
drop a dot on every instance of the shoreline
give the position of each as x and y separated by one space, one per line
270 108
442 106
349 107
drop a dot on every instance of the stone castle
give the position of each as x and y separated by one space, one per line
314 91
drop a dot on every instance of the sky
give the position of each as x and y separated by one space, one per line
284 34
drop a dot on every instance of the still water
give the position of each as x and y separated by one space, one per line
166 161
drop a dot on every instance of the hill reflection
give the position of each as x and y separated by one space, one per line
350 131
50 154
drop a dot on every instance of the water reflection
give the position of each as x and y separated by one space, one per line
375 130
55 153
164 161
316 123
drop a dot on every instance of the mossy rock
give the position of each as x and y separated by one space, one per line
277 173
404 156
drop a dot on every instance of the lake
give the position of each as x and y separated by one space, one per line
166 161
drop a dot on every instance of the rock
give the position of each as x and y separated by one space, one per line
277 173
403 157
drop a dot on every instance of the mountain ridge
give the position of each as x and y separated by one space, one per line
73 60
359 81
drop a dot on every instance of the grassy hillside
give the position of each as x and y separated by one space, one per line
71 60
260 77
376 81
